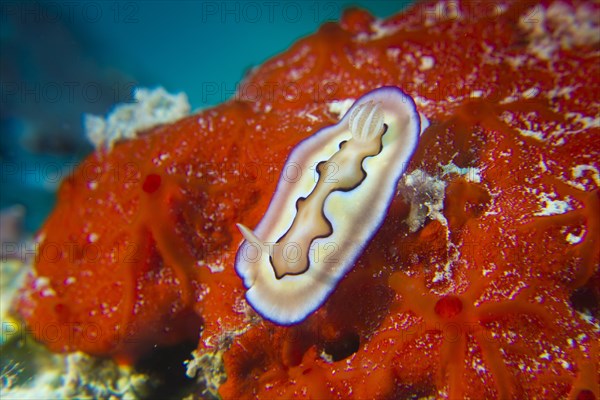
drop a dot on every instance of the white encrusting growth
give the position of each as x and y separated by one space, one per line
318 223
579 171
427 62
552 206
425 194
151 108
559 26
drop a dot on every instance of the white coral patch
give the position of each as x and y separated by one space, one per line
426 197
580 171
427 62
552 206
151 108
559 25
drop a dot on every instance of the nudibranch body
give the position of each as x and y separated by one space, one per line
332 196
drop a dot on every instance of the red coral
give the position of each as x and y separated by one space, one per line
500 300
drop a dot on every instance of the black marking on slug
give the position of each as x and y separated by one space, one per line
301 200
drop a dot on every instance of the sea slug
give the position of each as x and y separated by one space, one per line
318 224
